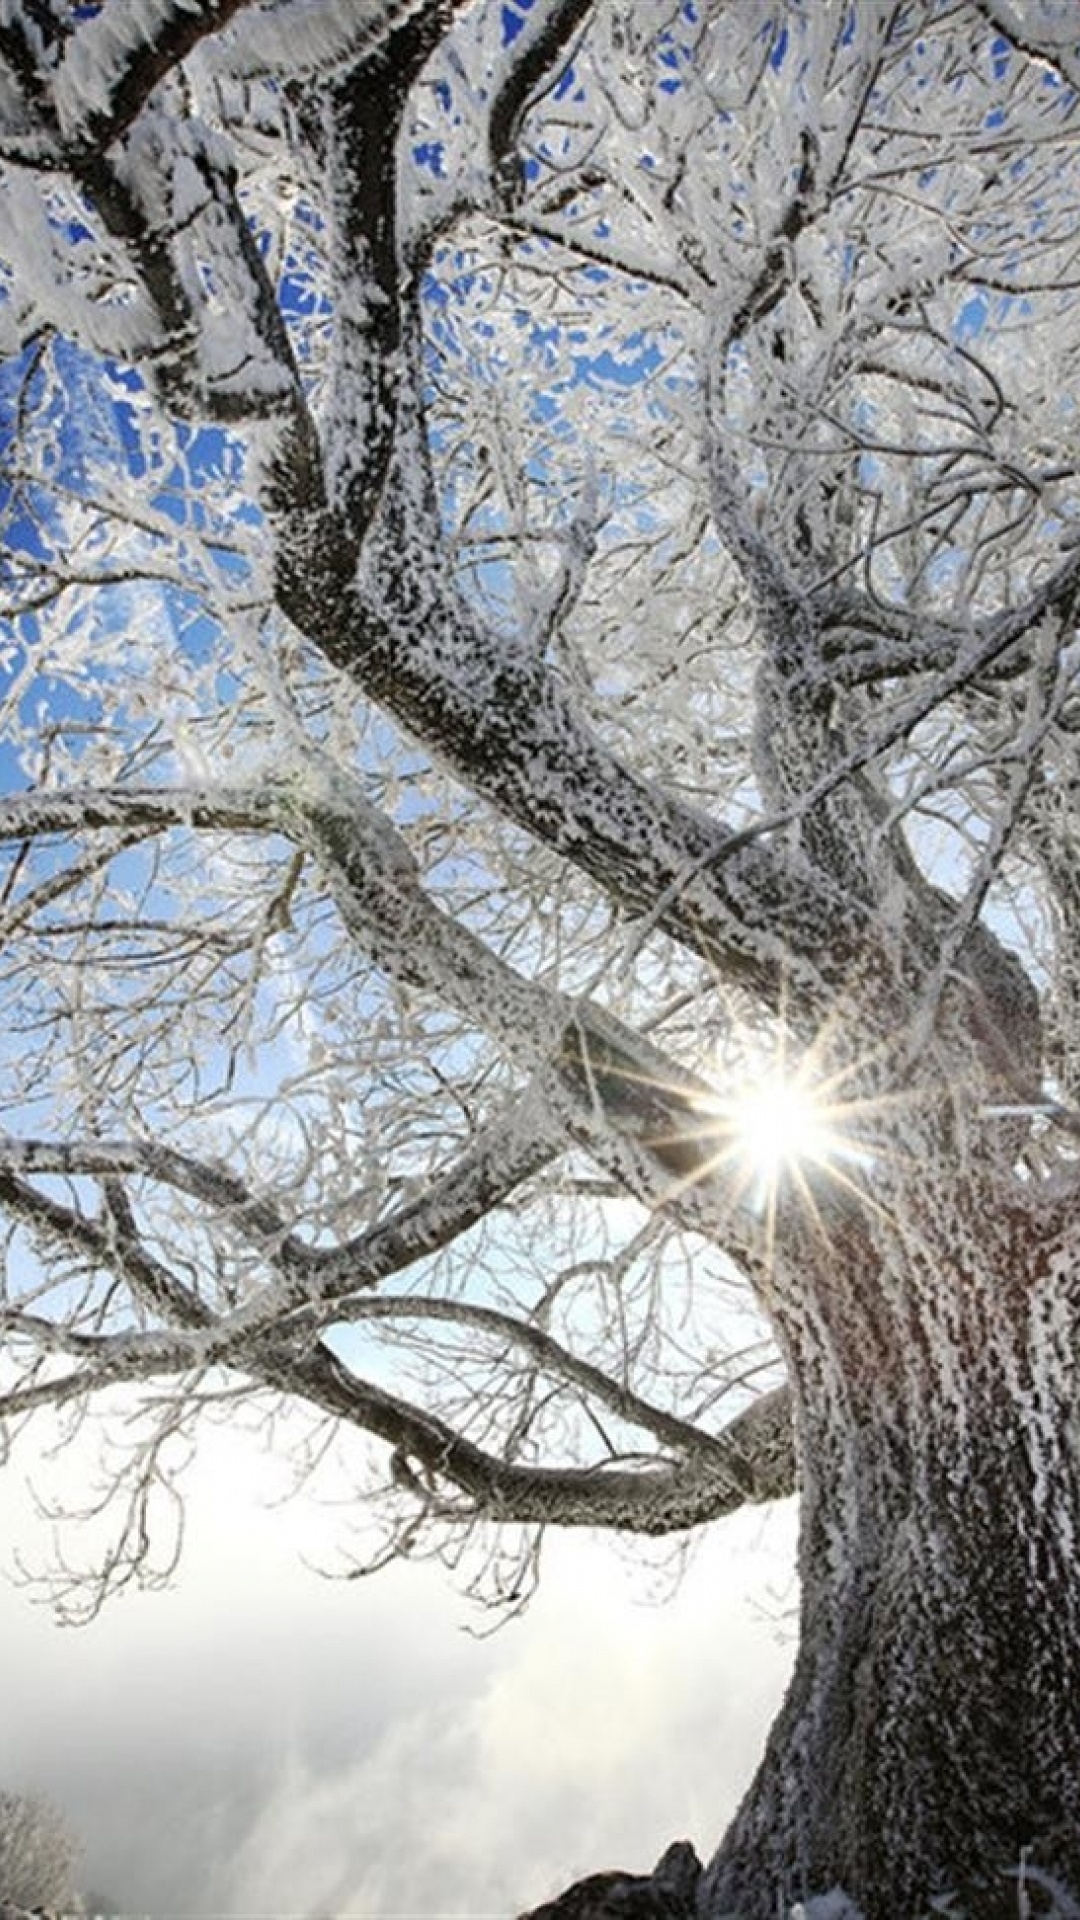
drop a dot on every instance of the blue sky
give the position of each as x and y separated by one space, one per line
258 1741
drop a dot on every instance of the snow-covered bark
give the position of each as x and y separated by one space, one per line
540 545
928 1743
37 1856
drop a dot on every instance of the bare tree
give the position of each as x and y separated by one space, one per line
37 1855
541 560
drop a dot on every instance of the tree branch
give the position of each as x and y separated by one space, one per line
113 1246
354 124
607 1086
1061 55
111 64
758 1462
983 650
218 1188
711 1475
922 645
556 1360
315 1279
37 813
537 58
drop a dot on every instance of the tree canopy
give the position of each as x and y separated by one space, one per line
37 1855
541 549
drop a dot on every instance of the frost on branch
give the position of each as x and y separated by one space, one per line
540 572
37 1855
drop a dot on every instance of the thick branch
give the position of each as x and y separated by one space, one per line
113 1365
604 1084
984 650
214 1185
501 1157
621 1097
123 58
47 810
509 728
499 717
655 1499
535 62
905 642
752 1460
556 1360
360 120
710 1475
314 1278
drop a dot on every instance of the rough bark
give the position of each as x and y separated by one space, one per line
928 1743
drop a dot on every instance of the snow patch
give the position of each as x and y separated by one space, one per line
299 38
99 56
834 1905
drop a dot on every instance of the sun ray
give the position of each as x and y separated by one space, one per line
787 1127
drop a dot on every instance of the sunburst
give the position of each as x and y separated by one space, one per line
787 1127
780 1124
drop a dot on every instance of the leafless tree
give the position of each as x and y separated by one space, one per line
37 1855
541 561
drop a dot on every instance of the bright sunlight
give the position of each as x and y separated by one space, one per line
785 1122
780 1124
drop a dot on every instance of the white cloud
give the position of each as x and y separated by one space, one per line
260 1741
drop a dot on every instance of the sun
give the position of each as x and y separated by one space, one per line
780 1124
785 1126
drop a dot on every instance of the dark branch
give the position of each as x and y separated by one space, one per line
541 55
160 44
755 1462
551 1355
904 642
112 1245
43 811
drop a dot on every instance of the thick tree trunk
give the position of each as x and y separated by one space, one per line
930 1740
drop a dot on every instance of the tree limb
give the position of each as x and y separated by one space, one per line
535 61
668 1498
110 65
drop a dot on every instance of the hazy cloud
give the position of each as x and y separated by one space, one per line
260 1741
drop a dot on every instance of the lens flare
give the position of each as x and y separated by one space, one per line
791 1129
779 1125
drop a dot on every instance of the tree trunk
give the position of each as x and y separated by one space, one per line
930 1740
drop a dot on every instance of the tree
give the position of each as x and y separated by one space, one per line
542 561
37 1854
